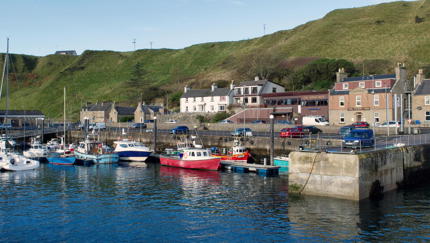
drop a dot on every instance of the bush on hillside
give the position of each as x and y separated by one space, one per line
219 116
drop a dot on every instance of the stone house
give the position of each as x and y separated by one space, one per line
421 99
145 112
249 93
118 113
373 98
105 112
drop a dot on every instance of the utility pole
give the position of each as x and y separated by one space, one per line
272 138
134 44
150 44
264 29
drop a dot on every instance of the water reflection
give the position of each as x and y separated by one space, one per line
125 203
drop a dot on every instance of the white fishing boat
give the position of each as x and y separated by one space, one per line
10 160
37 150
131 150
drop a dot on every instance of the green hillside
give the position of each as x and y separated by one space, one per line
390 32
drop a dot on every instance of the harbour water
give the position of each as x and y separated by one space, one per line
117 203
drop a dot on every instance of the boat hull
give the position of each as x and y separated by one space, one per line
61 160
237 157
98 158
203 164
133 155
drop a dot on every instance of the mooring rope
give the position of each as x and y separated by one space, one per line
310 173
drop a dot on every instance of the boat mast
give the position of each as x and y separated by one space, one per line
64 122
4 78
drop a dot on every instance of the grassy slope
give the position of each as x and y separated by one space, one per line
347 33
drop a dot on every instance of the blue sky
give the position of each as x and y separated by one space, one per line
40 27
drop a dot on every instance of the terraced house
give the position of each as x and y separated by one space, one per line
206 100
421 99
372 98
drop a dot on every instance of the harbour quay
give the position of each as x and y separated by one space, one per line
358 175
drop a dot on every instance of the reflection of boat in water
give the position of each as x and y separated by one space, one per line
191 176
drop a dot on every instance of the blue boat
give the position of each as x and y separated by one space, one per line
59 160
95 152
283 163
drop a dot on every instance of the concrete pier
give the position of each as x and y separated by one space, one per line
358 176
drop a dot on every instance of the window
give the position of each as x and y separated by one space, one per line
427 115
342 117
345 86
378 84
194 99
237 100
427 100
199 154
376 117
361 85
186 100
254 100
358 100
342 101
186 108
376 100
195 108
245 100
254 90
212 99
246 91
274 90
222 108
212 107
238 91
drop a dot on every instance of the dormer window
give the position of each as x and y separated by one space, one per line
378 84
254 90
274 90
345 86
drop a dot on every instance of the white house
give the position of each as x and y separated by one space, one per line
206 100
250 93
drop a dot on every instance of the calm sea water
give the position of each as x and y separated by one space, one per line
117 203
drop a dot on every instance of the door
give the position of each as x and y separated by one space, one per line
358 116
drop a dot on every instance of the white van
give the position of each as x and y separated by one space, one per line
98 125
314 121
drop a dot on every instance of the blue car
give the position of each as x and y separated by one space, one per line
179 130
359 138
345 130
138 125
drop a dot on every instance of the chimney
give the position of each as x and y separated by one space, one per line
400 71
341 75
419 77
232 85
186 89
256 78
213 87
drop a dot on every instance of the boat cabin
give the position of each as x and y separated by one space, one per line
196 154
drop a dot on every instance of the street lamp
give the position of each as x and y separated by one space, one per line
272 138
155 133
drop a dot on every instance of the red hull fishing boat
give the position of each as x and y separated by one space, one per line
195 158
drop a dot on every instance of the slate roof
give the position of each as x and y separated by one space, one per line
154 108
252 83
22 113
206 92
423 88
295 93
374 77
123 110
335 92
105 106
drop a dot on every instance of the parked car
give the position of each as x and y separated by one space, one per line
180 130
283 122
293 132
5 126
390 124
361 124
242 132
171 121
345 130
359 138
258 122
309 129
148 121
98 125
138 125
226 121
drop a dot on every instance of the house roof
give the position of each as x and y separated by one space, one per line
123 110
153 108
295 93
423 88
336 92
104 106
369 77
21 113
206 92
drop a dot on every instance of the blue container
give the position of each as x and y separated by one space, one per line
283 163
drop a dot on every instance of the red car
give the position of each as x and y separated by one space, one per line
292 133
360 124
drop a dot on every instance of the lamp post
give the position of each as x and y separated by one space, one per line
272 138
386 110
155 134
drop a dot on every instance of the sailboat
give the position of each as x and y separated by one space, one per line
10 160
64 158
